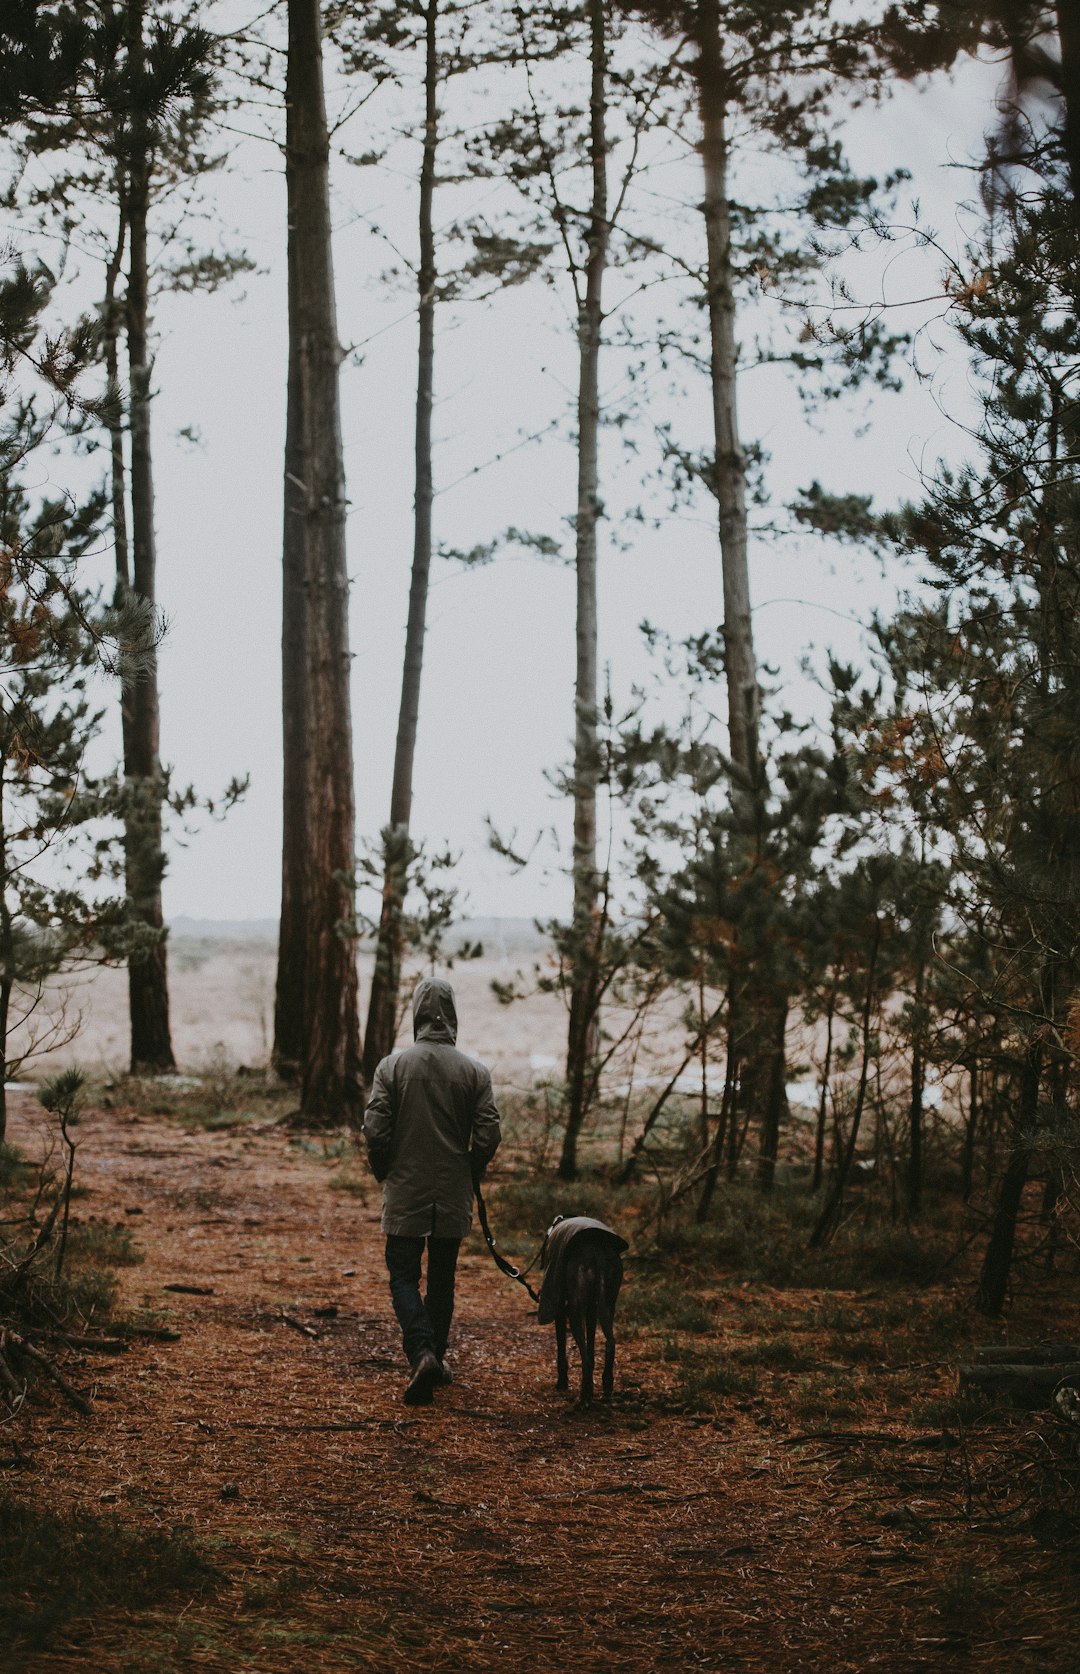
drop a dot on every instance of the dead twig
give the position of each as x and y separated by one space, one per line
298 1325
51 1370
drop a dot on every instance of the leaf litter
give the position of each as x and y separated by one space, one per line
501 1526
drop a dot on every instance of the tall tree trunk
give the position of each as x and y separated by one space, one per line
386 977
755 1023
1068 21
288 1048
330 1047
730 468
997 1262
115 421
582 1039
151 1045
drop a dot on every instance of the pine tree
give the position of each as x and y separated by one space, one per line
382 45
137 133
59 844
1001 535
558 154
777 73
316 1016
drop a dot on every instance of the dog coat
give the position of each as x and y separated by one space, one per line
553 1259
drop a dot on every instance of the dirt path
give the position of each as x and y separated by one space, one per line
498 1529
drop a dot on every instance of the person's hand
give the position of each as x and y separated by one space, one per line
476 1168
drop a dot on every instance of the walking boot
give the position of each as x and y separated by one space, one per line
426 1373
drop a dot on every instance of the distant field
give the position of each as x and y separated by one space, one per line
221 983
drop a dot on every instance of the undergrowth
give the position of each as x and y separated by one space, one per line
218 1099
738 1310
60 1567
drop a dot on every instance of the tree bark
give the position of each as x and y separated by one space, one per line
823 1102
775 1105
288 1049
117 470
830 1215
915 1104
148 989
971 1126
727 1115
330 1046
994 1278
386 977
7 960
1068 21
730 465
582 1038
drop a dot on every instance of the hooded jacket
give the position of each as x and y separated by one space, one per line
431 1120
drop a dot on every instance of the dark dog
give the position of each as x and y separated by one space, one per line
583 1270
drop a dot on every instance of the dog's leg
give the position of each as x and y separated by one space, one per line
607 1325
609 1292
588 1361
562 1365
590 1278
578 1286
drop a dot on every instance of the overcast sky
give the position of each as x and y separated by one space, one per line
498 680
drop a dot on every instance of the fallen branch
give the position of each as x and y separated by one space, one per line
298 1325
15 1389
51 1370
90 1345
883 1438
190 1290
153 1333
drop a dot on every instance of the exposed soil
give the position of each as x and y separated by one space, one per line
498 1529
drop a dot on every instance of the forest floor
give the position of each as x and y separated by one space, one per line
277 1508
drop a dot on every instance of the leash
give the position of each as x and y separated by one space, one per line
500 1261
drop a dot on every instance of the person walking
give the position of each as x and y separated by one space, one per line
431 1127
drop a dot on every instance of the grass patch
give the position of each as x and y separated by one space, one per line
827 1397
778 1353
353 1185
63 1567
702 1388
14 1169
33 1296
965 1602
667 1303
954 1412
213 1102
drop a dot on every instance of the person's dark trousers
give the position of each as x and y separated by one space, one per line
424 1321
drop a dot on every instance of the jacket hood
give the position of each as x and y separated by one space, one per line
434 1012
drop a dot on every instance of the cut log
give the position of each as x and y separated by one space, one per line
1066 1403
1027 1354
1028 1386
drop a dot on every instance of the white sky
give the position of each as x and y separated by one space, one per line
498 681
